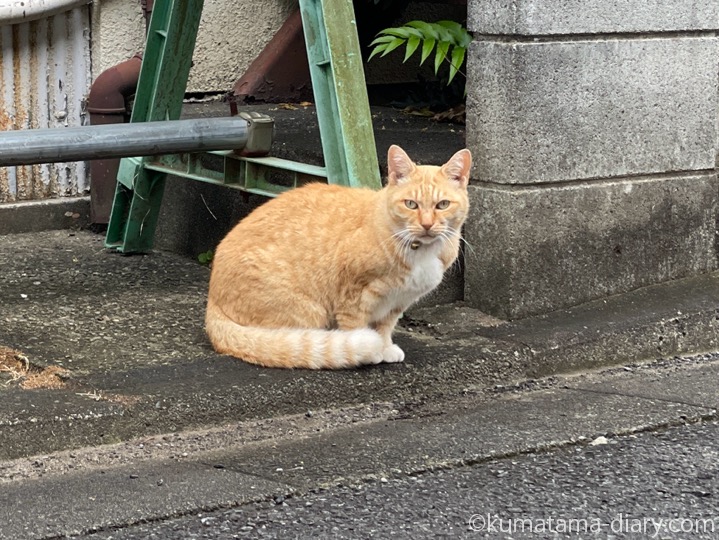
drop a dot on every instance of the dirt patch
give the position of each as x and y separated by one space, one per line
17 368
13 363
50 377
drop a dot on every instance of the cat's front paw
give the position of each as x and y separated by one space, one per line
392 354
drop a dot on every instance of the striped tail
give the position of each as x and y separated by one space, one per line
293 348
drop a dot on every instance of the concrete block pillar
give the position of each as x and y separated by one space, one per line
593 126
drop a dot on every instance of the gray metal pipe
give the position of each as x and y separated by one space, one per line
28 147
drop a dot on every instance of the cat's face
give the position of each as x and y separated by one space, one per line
427 204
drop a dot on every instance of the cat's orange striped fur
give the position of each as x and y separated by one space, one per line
318 277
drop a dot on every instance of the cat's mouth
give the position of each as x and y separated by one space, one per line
426 238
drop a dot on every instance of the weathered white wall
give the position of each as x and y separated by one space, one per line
231 35
118 32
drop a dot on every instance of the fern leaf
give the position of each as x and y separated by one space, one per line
392 45
382 39
457 59
428 30
399 32
440 54
459 34
427 47
378 49
412 44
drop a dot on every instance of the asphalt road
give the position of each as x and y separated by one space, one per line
630 452
662 484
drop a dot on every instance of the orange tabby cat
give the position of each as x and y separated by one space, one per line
318 277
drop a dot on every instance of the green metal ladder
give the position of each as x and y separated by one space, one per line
340 98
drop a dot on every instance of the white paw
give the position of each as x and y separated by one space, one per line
392 354
375 358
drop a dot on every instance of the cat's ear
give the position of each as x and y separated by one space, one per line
458 167
399 166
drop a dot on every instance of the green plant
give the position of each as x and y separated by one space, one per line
206 257
448 39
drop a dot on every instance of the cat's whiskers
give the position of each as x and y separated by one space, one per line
470 249
401 237
401 241
405 245
448 235
445 235
389 244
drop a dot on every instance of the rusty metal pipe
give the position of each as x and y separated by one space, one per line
107 103
110 91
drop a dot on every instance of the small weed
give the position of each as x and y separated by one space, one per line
206 257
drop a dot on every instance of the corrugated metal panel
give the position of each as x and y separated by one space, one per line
44 77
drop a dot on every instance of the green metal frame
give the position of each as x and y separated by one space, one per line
253 175
338 84
340 98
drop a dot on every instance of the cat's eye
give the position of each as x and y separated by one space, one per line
412 205
443 205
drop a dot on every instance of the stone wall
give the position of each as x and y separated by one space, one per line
594 130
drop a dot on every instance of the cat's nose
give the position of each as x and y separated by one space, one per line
427 226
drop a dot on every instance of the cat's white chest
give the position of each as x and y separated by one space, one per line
426 273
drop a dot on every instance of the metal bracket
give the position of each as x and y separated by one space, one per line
261 130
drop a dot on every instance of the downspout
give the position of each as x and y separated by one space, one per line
20 11
108 103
